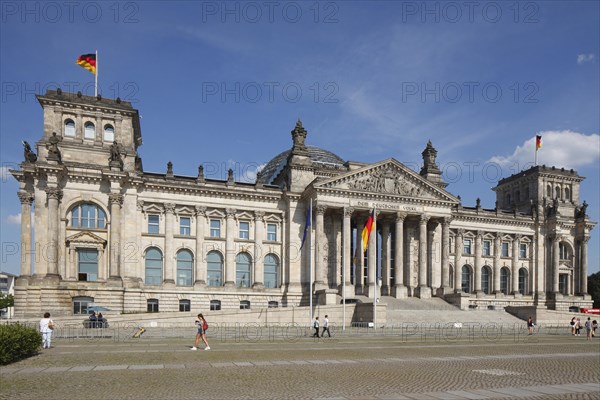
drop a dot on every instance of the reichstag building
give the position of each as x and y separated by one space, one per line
108 232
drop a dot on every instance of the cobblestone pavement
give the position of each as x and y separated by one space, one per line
343 367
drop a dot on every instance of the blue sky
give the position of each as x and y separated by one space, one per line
222 84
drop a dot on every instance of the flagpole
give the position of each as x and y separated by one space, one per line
374 233
96 84
344 285
310 267
536 150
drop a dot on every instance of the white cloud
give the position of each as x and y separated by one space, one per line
583 58
14 219
566 149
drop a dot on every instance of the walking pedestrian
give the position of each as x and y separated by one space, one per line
201 334
326 327
46 327
594 327
530 325
588 329
577 327
316 326
572 323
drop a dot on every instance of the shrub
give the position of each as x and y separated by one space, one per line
18 342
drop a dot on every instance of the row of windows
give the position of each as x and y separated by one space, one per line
185 224
89 131
487 248
81 304
486 280
558 193
91 216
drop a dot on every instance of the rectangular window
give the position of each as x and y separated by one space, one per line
184 306
244 230
467 246
487 246
215 228
504 249
152 305
185 226
272 232
87 260
153 224
523 250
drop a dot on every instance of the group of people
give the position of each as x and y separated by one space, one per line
97 321
590 327
325 327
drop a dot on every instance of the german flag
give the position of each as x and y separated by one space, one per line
87 61
366 233
538 142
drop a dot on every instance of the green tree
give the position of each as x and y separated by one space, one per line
594 288
6 300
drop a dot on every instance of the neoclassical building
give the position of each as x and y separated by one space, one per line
109 233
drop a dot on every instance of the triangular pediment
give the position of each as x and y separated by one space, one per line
388 177
86 238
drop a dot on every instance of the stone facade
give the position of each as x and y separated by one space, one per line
108 233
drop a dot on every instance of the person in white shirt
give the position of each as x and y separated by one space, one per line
46 327
325 327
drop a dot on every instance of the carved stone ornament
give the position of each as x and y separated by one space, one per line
424 219
115 159
230 212
53 150
259 215
170 208
25 197
53 193
200 211
320 209
348 211
386 180
115 198
29 155
140 205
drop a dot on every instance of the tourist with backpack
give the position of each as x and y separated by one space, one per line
202 327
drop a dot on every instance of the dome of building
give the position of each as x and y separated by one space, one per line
316 154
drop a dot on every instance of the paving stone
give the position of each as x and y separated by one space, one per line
6 371
392 397
81 368
222 364
262 363
548 389
468 395
109 367
513 392
174 366
575 388
243 364
443 395
56 369
32 370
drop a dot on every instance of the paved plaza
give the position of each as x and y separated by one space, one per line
347 366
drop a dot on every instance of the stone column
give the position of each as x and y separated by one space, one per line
169 256
583 265
54 195
115 201
400 288
423 290
347 250
200 256
478 262
230 248
360 255
372 260
320 251
458 249
385 258
497 254
515 264
445 255
555 263
26 199
258 257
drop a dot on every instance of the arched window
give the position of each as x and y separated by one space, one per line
214 267
154 261
508 202
69 128
517 196
90 131
557 192
567 194
504 277
563 250
523 281
88 216
242 270
486 272
109 133
271 279
185 262
466 279
549 191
